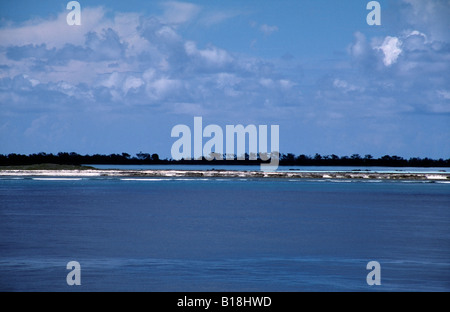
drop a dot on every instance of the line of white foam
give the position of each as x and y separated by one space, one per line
145 179
58 179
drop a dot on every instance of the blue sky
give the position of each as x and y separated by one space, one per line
134 69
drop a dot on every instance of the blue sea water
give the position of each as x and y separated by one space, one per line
190 234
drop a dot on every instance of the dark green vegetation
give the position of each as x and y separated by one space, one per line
289 159
45 167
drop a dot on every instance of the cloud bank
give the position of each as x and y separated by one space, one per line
132 64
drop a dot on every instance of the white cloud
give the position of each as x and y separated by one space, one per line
360 47
191 48
444 94
212 55
126 26
55 33
417 33
286 84
212 18
228 83
414 41
391 48
74 72
345 86
33 82
179 12
66 88
113 81
162 87
439 108
168 34
132 83
266 82
268 30
431 16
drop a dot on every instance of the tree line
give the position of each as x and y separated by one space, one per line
288 159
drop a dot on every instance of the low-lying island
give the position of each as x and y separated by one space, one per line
231 174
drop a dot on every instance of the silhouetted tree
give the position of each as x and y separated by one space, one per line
284 159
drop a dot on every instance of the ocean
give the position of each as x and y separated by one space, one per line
234 234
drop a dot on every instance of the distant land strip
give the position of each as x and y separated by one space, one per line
229 174
288 159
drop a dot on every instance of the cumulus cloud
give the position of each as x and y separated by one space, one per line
391 48
130 59
54 33
361 51
359 47
430 17
212 57
132 83
405 72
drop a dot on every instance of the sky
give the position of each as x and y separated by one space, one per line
133 70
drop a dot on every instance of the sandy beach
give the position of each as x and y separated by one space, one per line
228 174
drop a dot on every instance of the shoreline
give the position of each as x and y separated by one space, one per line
226 174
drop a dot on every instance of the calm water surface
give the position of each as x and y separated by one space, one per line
178 234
